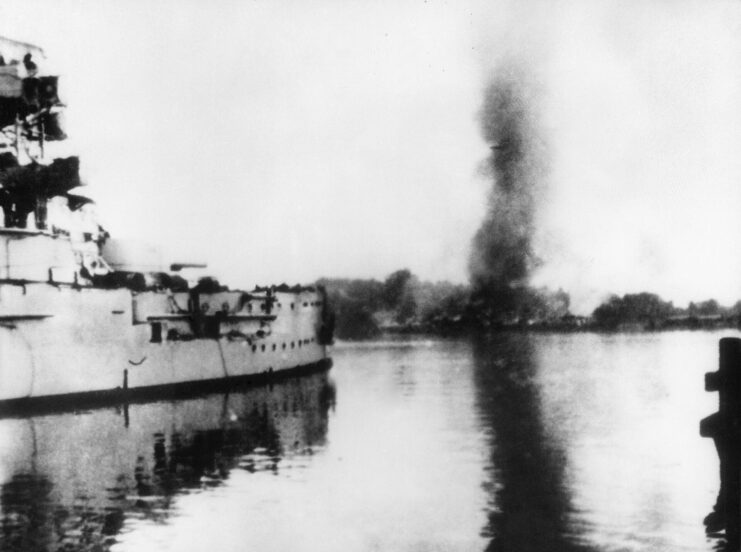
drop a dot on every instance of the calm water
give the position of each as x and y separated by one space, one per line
513 443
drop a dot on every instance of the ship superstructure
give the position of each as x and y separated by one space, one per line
80 314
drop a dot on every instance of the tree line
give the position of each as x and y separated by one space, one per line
366 308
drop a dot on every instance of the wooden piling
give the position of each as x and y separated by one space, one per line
724 427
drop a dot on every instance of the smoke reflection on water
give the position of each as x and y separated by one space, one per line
532 509
594 440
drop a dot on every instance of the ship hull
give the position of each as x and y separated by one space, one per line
41 405
68 343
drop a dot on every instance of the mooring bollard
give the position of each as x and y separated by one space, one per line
725 429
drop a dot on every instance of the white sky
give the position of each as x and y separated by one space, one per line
283 141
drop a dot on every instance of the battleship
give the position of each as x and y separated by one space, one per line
83 315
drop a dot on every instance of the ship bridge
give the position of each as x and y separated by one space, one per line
29 100
29 117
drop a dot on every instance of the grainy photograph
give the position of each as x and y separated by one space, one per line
371 276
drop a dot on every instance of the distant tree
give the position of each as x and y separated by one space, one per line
354 303
442 305
395 286
545 305
644 308
407 309
610 313
355 321
705 308
399 293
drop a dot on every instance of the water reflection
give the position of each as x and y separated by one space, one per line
515 442
73 481
593 440
531 508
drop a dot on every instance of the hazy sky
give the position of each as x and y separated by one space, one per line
283 141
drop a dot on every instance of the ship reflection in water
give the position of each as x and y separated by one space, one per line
76 481
523 443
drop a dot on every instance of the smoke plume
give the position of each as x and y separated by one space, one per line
503 255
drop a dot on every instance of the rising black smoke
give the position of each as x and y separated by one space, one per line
503 255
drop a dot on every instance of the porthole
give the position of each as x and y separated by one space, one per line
274 346
262 348
254 348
